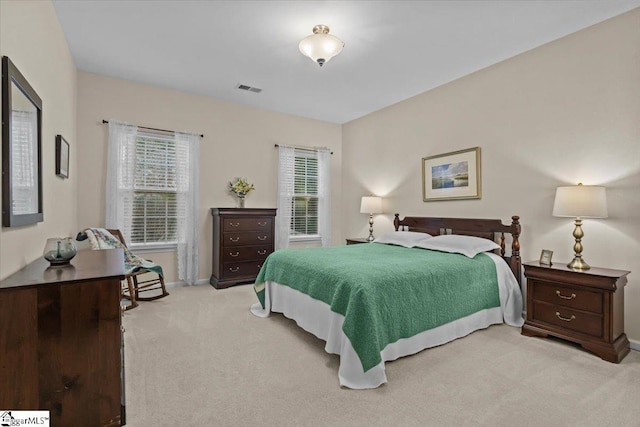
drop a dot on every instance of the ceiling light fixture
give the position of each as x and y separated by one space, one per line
321 46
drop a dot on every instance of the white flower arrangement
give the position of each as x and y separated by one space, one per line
240 187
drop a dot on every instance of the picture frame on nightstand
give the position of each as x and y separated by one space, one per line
545 257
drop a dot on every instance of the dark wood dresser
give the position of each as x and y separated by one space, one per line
61 340
242 239
586 307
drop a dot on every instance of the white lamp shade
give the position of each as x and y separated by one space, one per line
371 205
321 46
584 201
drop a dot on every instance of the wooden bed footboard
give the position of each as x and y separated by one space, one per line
492 229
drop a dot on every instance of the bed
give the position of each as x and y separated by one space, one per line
373 303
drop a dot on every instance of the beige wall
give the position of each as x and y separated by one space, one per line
564 113
31 37
238 141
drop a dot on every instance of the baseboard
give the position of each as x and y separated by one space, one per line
635 345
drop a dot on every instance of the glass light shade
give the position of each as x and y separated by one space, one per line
371 205
321 46
581 201
59 250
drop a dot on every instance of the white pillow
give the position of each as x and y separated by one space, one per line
408 239
453 243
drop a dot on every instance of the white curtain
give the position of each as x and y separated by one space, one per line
187 174
286 167
121 174
324 196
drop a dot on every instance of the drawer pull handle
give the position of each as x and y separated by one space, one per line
234 224
259 265
234 269
262 237
262 224
262 252
234 239
234 255
566 319
564 296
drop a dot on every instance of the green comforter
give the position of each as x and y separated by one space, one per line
385 292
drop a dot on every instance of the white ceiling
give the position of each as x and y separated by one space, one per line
393 49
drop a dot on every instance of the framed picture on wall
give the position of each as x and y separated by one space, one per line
62 157
452 176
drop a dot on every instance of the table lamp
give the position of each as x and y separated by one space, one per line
371 205
580 201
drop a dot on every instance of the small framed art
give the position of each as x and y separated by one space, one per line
452 176
545 257
62 157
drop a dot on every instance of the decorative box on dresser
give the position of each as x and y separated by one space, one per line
61 346
586 307
242 239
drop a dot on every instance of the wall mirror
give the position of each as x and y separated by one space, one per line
21 149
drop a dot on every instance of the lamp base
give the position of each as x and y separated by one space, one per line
371 238
578 264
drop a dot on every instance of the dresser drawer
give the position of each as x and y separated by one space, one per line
247 238
231 225
579 321
241 269
244 253
557 293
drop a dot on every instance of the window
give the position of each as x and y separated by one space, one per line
152 191
155 201
304 200
304 214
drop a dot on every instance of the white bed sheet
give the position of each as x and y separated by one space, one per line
315 316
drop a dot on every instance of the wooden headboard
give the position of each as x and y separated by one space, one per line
492 229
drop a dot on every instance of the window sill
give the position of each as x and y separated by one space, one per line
309 238
153 247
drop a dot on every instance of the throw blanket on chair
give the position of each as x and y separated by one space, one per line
102 239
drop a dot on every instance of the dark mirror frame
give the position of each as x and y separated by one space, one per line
11 74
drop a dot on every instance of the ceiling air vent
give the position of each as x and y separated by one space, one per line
249 88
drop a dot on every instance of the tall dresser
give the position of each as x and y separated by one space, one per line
242 239
61 340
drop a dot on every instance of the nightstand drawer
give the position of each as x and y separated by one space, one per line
557 293
566 318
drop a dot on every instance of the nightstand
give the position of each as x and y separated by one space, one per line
356 240
585 307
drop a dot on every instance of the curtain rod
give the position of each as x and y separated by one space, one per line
297 147
145 127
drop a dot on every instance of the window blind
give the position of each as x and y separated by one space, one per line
155 203
304 218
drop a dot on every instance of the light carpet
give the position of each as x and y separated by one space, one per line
199 358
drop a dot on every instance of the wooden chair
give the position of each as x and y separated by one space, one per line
135 287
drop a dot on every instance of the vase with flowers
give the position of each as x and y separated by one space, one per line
240 187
